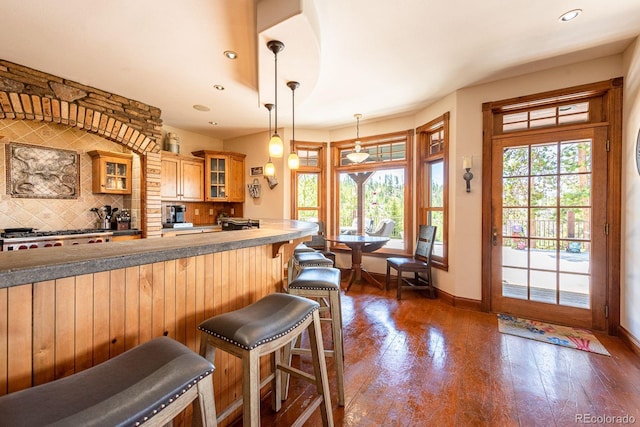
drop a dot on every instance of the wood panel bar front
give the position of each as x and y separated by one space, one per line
55 328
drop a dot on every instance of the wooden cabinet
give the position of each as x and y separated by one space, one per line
182 178
111 172
224 176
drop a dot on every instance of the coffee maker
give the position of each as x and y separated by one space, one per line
174 214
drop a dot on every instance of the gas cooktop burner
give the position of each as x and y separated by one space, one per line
10 234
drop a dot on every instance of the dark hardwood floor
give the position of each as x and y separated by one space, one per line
421 362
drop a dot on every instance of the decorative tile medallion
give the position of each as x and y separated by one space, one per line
36 172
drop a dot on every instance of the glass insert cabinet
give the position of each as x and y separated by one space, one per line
111 172
224 175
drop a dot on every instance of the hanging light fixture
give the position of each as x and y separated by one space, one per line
269 168
358 156
276 147
293 160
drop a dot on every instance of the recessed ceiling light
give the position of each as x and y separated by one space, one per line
201 107
230 54
213 123
218 87
568 16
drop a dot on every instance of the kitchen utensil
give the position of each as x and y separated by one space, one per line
97 212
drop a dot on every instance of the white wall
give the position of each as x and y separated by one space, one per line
630 274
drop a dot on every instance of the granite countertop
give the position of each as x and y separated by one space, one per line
58 262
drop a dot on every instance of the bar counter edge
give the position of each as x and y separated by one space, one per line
22 267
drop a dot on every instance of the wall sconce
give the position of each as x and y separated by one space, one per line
467 164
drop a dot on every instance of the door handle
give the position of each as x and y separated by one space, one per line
494 237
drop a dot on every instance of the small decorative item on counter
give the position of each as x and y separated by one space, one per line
254 188
172 142
122 221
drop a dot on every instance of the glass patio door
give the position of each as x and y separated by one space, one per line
549 232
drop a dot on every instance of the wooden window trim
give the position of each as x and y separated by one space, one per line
610 92
422 134
406 163
321 147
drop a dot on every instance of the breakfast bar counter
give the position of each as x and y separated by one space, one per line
18 267
67 309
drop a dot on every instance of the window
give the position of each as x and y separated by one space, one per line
433 167
380 186
308 182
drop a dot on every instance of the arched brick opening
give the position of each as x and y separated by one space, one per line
28 94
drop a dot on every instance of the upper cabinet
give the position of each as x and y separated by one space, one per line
224 175
182 178
111 172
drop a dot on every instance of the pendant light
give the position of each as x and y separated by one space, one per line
358 156
269 168
276 147
293 160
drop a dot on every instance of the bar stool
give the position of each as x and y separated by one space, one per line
149 384
303 260
261 328
321 284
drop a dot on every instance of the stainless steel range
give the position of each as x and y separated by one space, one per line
27 238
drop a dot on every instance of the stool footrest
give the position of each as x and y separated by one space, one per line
298 373
308 412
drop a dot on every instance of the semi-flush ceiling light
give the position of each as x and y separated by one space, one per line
568 16
230 54
269 168
293 160
276 147
358 156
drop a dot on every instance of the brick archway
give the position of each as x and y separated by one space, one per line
28 94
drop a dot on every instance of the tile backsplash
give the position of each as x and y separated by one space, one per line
59 214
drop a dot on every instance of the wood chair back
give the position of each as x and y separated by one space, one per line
424 245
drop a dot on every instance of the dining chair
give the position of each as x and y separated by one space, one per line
317 240
384 228
419 264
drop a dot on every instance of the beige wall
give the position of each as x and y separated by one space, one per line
190 141
270 204
630 274
464 276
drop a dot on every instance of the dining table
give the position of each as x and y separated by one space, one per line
359 244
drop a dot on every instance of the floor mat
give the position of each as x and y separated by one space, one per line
580 339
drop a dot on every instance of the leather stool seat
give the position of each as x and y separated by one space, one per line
317 278
321 284
303 260
149 384
303 248
265 320
261 328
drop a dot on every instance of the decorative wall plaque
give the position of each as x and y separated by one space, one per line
36 172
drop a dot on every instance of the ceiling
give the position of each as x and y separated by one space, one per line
373 57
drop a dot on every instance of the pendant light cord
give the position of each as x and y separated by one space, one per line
275 105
